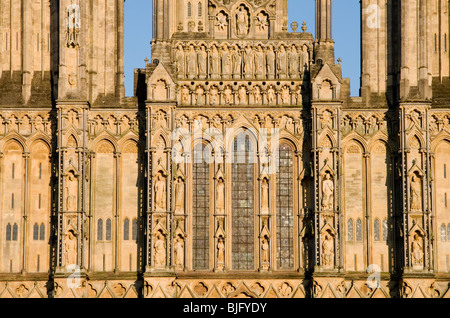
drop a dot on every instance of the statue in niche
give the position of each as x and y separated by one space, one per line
242 21
202 58
179 195
257 95
215 63
328 250
213 96
70 248
265 249
237 62
220 200
293 58
160 192
304 59
73 118
285 95
71 192
180 61
228 95
179 251
226 62
262 21
242 95
199 95
270 62
73 24
259 62
191 61
271 95
222 21
282 62
25 127
417 250
265 196
327 193
185 95
416 193
220 250
160 249
249 62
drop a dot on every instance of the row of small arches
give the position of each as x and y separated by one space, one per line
108 230
378 233
445 233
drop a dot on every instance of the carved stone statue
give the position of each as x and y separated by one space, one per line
242 21
70 248
416 193
327 193
220 250
237 62
220 200
257 95
285 95
228 95
215 63
160 192
160 249
328 251
179 251
199 95
226 63
417 250
202 58
293 58
265 250
191 60
179 195
271 96
242 93
73 24
249 63
180 61
265 196
213 96
270 62
282 63
185 95
71 192
304 59
259 63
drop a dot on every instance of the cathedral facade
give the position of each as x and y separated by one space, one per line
241 167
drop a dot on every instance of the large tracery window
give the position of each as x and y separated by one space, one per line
243 203
285 208
201 200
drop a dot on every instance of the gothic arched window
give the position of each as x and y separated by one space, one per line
108 229
201 201
189 9
350 236
448 233
376 230
134 229
358 230
15 232
285 208
243 203
443 233
200 10
8 232
126 229
35 232
385 230
99 230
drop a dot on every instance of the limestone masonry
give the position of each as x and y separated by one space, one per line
242 167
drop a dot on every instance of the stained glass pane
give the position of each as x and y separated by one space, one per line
350 237
243 169
359 230
285 208
201 200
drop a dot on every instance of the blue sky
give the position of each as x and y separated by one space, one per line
346 34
